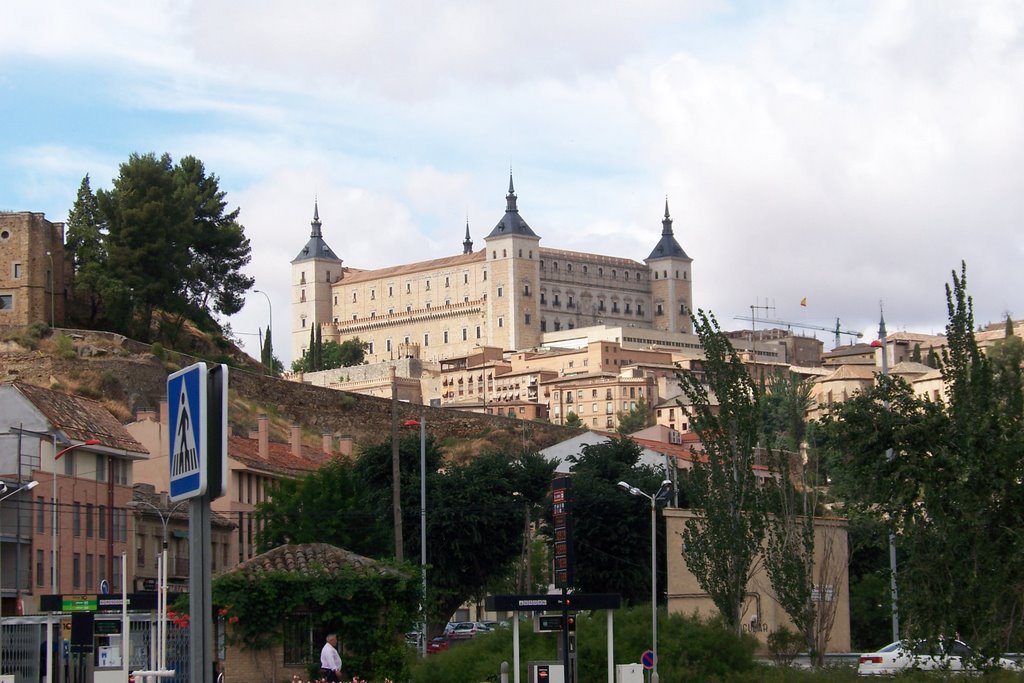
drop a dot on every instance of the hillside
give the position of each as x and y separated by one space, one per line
128 376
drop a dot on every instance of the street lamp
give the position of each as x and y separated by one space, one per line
53 550
270 360
661 497
161 600
423 521
4 495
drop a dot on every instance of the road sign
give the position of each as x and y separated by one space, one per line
552 601
186 406
647 659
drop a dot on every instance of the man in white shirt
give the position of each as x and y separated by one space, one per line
330 660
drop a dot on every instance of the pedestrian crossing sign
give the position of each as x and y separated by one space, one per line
186 412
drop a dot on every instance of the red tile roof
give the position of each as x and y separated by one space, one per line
80 418
281 460
311 558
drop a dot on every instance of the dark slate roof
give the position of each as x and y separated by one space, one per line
667 246
81 418
310 558
511 223
316 247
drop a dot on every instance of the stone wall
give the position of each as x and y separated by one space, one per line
27 289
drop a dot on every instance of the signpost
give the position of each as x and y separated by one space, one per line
197 412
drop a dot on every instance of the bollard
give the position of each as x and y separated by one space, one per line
504 672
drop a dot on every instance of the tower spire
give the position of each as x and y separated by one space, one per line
315 223
666 223
467 244
510 198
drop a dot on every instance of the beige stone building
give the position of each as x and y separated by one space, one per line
506 295
761 612
33 277
254 464
74 525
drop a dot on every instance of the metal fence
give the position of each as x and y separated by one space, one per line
23 647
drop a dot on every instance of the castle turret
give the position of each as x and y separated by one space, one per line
513 258
671 281
314 270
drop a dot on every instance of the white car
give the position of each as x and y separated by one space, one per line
940 655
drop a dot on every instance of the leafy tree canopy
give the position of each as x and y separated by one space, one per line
475 514
635 419
950 490
160 238
721 542
612 529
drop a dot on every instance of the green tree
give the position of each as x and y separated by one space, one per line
219 249
573 420
331 505
267 357
611 529
169 244
721 542
475 507
86 229
346 354
635 419
951 491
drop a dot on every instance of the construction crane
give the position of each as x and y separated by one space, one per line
837 330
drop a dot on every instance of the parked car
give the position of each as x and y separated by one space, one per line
437 644
925 655
463 629
485 626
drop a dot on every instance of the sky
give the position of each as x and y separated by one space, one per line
850 153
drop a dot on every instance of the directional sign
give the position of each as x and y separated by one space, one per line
186 406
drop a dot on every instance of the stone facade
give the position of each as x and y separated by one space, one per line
33 278
762 614
507 295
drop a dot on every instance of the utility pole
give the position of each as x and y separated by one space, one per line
893 588
396 470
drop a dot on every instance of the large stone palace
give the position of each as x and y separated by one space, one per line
506 295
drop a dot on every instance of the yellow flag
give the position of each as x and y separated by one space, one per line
803 302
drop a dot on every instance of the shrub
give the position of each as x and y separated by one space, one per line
65 346
158 351
784 645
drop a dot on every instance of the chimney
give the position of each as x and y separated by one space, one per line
264 436
328 443
345 444
163 412
296 440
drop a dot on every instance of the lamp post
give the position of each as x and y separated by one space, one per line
423 521
4 495
50 256
660 497
883 341
161 599
270 327
53 551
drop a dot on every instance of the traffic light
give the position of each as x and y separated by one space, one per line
572 622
